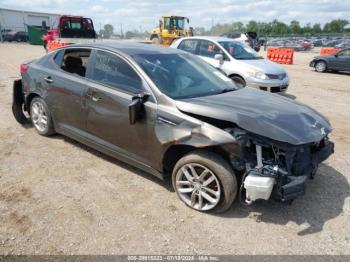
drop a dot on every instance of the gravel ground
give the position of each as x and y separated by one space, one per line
60 197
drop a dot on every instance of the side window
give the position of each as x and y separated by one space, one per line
74 60
209 49
189 46
58 58
113 71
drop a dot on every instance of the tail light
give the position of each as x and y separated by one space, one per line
24 68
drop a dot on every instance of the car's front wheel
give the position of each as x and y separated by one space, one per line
205 181
321 66
41 117
239 81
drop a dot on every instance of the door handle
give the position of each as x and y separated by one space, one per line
95 99
92 96
48 79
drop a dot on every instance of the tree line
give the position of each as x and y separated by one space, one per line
278 28
274 28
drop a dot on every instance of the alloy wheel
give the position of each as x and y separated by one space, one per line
39 116
321 66
198 186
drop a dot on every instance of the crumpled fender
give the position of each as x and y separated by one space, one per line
187 130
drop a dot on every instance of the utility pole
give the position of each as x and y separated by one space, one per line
121 30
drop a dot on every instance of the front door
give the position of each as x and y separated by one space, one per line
207 51
343 60
113 84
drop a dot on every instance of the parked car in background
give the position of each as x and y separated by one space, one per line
343 45
7 34
250 38
173 115
238 61
337 62
20 36
16 36
297 44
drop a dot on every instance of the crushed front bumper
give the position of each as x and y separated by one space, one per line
291 187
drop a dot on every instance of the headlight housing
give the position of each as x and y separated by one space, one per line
258 75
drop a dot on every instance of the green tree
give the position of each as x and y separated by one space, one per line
238 26
335 26
279 28
307 29
108 28
316 29
265 28
252 26
295 27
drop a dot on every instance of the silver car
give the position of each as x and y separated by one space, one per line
238 61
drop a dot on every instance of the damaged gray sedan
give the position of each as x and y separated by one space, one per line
171 114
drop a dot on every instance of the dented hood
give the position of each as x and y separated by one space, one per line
262 113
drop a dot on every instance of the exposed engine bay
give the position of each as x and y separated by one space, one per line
275 169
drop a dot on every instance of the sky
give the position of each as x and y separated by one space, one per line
144 14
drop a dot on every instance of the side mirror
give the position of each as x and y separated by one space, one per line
220 58
136 109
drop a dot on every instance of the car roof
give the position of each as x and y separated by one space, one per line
129 47
212 38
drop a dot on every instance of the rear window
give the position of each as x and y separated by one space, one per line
73 61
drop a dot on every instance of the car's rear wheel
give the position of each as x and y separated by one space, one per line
155 40
205 181
239 81
321 66
41 117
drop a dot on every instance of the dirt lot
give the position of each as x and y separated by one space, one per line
60 197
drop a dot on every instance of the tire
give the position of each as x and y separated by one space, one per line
239 81
321 66
224 182
155 41
39 110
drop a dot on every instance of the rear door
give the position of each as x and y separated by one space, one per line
66 90
113 83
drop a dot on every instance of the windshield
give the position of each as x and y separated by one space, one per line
184 75
174 23
240 51
180 23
